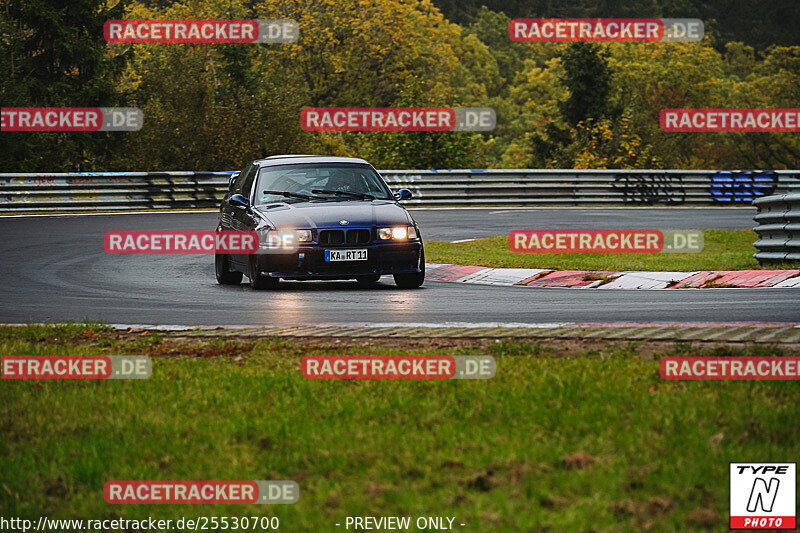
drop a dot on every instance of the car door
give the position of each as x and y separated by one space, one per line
244 218
226 209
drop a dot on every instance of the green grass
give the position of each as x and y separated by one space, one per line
489 452
724 250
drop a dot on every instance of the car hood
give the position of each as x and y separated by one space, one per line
311 215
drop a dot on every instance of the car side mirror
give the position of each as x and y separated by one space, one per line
239 200
402 194
231 180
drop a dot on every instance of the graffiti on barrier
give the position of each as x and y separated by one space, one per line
650 189
737 186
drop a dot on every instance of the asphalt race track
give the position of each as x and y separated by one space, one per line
457 224
55 269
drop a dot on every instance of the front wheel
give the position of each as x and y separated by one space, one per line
412 281
259 281
224 274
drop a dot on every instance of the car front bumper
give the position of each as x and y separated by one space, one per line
308 261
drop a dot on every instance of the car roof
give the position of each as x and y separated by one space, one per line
292 159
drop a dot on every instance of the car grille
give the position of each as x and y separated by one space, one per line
331 236
358 236
351 236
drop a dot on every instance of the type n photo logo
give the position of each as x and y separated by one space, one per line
763 495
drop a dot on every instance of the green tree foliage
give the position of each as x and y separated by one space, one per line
221 104
210 107
608 143
588 79
646 78
754 22
429 150
53 54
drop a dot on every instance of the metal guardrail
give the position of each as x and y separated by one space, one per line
778 228
113 191
20 193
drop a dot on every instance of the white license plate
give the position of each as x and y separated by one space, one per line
346 255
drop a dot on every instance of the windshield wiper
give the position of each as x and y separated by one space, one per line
361 195
293 195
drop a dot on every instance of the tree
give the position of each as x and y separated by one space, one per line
419 149
587 76
608 143
755 22
385 53
208 106
53 54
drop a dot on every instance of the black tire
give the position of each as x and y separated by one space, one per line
368 280
224 274
412 281
257 280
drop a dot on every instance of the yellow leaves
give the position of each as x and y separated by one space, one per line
107 6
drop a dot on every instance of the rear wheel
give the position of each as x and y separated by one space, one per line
415 280
224 274
368 280
259 281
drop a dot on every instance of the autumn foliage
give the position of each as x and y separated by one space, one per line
212 107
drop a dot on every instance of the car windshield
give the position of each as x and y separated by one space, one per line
340 181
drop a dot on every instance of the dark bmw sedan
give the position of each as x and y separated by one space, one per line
319 218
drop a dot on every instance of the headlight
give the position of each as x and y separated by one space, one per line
286 238
398 233
302 235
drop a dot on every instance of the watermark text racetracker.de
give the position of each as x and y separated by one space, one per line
605 241
194 31
398 119
197 523
201 492
730 368
75 367
398 367
71 119
180 242
541 30
730 120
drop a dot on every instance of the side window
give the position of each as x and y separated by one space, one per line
247 186
241 178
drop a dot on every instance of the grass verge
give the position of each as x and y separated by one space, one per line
724 250
591 440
